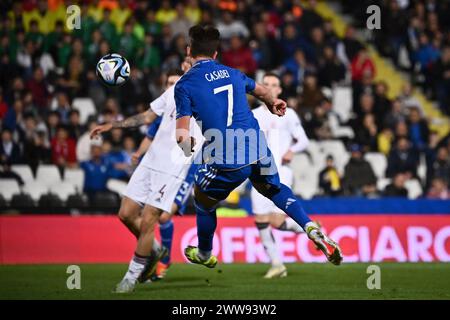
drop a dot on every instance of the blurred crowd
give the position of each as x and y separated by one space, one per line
416 36
44 66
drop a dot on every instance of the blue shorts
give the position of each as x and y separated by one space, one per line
217 183
185 189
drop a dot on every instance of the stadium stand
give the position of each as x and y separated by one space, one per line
24 171
23 202
116 185
348 89
378 162
63 190
48 174
86 108
9 188
75 177
35 189
3 202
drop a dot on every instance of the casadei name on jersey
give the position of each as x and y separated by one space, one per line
216 75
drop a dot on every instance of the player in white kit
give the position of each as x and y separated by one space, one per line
285 137
154 184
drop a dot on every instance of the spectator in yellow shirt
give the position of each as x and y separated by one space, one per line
193 11
45 18
329 179
384 141
95 11
165 14
120 15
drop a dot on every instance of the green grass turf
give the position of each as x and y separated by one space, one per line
233 281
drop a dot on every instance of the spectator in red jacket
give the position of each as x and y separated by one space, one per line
362 64
3 107
239 56
63 149
38 89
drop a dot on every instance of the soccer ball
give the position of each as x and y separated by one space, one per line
113 69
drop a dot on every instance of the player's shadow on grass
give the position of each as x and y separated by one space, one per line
183 283
181 286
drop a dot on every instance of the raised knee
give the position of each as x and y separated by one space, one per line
164 218
266 190
125 215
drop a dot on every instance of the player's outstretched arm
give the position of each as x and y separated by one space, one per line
138 120
275 105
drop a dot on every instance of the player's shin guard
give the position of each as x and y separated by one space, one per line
284 199
206 226
290 225
166 231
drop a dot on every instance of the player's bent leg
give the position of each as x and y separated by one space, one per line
284 199
143 257
150 216
206 226
277 268
284 223
129 214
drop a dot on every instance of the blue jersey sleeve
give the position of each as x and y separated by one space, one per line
182 101
249 83
153 128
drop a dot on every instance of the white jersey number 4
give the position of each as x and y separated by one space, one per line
229 88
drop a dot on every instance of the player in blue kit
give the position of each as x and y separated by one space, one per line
235 147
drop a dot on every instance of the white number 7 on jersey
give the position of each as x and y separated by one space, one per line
229 88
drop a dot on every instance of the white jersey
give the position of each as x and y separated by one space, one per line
282 133
164 154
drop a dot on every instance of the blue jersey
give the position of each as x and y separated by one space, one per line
215 95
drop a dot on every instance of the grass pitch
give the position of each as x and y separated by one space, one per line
233 281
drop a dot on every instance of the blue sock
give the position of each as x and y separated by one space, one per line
166 231
206 225
287 201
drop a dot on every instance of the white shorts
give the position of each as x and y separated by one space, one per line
155 188
262 205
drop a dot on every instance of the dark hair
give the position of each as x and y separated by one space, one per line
74 111
62 127
272 74
7 130
54 113
204 40
175 72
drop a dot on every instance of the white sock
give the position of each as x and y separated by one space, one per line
268 242
156 246
290 225
135 268
312 224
